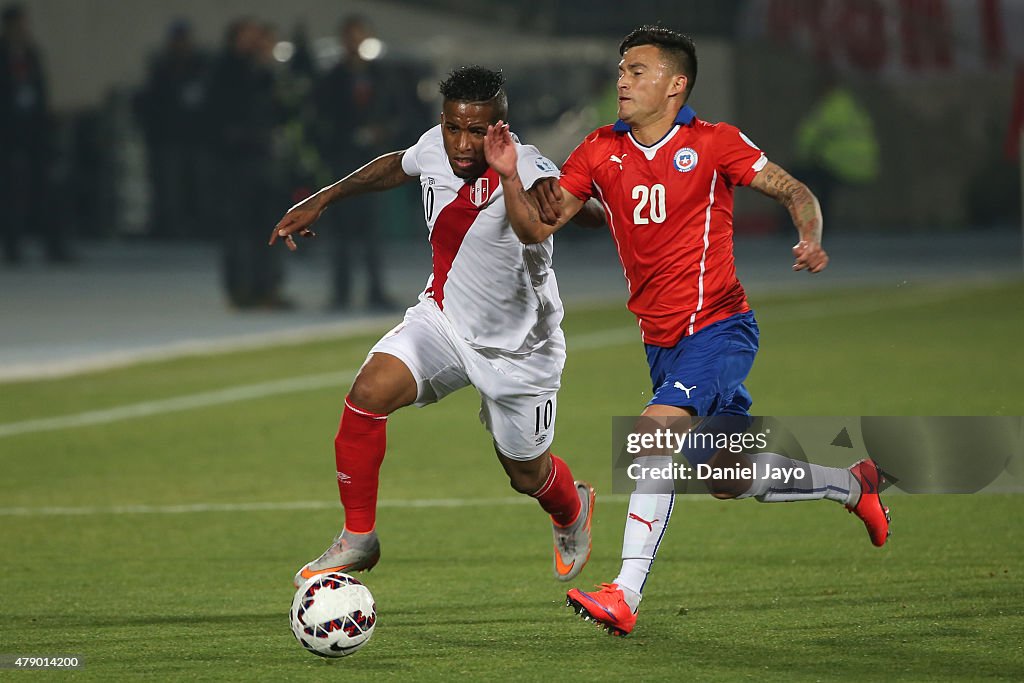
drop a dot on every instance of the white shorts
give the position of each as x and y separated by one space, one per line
518 392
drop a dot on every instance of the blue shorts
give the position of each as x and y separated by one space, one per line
704 372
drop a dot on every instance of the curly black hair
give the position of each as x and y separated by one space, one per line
677 48
475 84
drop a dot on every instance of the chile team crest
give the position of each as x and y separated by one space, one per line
685 160
480 192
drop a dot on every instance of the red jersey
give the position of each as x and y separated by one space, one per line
669 208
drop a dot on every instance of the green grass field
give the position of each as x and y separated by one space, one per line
194 580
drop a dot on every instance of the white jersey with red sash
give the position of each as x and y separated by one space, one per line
496 291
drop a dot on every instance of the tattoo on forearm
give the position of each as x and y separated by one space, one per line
531 210
779 185
776 183
803 207
383 173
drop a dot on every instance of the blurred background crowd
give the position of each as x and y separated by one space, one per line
198 121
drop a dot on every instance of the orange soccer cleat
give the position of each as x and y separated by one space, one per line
869 506
606 607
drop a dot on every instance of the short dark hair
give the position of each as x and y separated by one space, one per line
476 84
678 48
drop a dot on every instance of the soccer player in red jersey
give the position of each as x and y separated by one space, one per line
489 316
665 180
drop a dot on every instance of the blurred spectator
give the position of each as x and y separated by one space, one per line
360 105
172 107
242 116
1012 144
302 65
268 40
300 162
26 143
836 145
993 191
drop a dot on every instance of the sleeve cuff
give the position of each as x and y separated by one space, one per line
761 162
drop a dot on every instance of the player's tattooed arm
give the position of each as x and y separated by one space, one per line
773 181
523 211
383 173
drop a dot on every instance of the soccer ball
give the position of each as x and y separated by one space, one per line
333 615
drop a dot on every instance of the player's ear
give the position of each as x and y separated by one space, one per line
678 84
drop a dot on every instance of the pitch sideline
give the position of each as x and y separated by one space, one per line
245 392
584 342
273 507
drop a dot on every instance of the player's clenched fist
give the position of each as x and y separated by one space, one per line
548 195
810 256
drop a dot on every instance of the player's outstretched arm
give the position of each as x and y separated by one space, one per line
523 211
773 181
383 173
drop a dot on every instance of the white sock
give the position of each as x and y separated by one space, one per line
650 507
831 483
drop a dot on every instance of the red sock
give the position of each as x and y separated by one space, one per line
358 454
558 495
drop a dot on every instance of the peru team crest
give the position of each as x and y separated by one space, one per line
685 160
480 192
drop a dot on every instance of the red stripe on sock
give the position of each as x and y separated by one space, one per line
365 413
558 495
358 453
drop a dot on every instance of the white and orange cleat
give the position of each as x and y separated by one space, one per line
350 552
573 542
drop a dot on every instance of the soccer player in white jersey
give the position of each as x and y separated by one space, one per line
489 316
